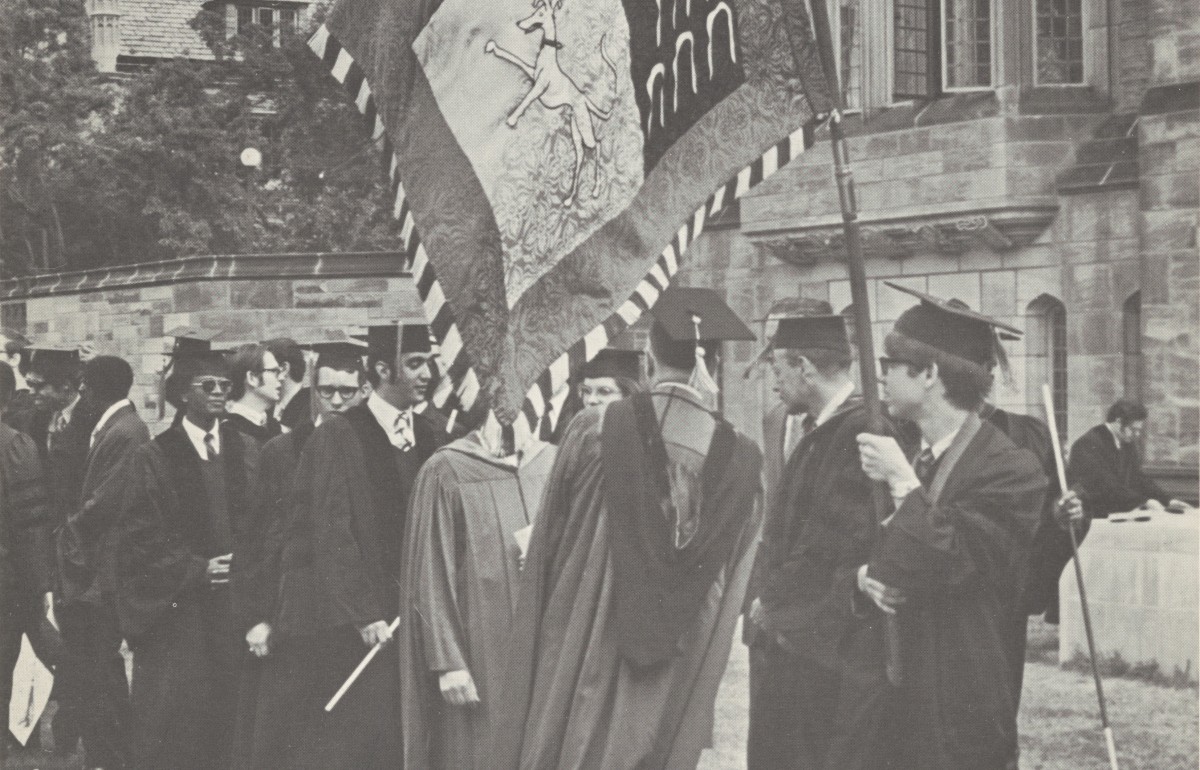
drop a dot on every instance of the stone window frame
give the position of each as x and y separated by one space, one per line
1047 356
233 19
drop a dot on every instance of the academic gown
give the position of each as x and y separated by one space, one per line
825 696
459 593
573 695
178 624
269 687
959 548
339 571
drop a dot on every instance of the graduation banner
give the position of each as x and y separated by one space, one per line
552 161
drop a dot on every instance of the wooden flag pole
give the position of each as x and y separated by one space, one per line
858 290
1048 402
357 672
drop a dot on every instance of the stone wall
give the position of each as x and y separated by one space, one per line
128 311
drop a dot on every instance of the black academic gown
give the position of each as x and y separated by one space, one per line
298 411
180 626
825 697
339 572
960 548
261 434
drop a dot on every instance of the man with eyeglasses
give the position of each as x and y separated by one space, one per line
257 384
277 682
951 561
188 494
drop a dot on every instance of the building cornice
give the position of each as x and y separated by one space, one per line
229 267
998 229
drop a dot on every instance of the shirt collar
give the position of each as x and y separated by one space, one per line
385 414
253 415
835 403
942 444
1116 438
104 418
197 434
69 409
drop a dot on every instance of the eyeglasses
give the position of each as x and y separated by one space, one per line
347 392
886 362
275 370
211 385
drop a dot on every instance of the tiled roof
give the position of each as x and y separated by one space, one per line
161 29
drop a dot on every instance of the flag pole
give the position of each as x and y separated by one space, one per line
1048 401
362 666
858 288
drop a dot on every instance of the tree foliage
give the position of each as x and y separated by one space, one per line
97 171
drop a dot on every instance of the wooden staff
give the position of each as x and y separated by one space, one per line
858 293
1048 401
362 666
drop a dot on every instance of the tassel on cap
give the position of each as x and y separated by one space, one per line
701 380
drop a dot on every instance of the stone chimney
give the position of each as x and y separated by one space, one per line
106 32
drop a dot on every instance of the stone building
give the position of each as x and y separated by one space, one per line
1037 160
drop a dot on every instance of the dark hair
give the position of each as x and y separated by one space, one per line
287 351
8 384
679 355
108 378
1126 411
246 359
12 347
826 361
186 369
967 384
340 362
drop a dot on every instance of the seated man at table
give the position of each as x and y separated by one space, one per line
1106 467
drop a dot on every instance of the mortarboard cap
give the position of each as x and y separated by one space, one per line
678 308
788 307
381 340
334 345
950 328
53 359
416 338
614 362
818 332
190 341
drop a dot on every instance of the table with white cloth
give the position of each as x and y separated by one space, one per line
1141 572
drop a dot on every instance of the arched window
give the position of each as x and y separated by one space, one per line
1046 357
1131 322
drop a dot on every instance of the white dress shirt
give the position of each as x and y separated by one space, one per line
253 415
397 423
197 435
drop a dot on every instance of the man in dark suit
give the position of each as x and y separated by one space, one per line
14 352
188 494
1106 467
953 556
353 480
26 554
86 559
295 399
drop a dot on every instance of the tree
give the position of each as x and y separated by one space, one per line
151 171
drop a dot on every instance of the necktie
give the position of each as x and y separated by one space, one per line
210 446
924 466
56 427
403 438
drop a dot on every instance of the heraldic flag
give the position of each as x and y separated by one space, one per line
552 161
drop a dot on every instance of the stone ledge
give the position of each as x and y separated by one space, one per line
945 232
209 268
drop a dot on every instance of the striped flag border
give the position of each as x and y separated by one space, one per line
459 386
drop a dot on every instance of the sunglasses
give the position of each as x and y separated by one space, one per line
211 385
347 392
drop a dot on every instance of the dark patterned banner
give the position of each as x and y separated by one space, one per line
552 161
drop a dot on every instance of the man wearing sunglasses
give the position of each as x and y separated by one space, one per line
188 496
257 385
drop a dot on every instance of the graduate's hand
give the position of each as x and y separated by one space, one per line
259 639
218 569
1069 510
885 597
883 460
376 633
1152 505
458 688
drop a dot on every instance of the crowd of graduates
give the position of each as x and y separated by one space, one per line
567 600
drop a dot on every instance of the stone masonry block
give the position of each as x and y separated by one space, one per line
1089 286
260 294
963 286
1033 283
998 292
892 303
201 296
